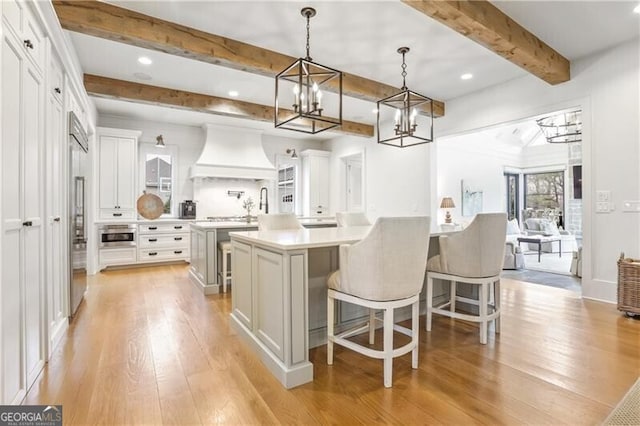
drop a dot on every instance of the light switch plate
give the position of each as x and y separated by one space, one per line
603 196
602 207
631 206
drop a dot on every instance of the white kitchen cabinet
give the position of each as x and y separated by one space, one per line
22 105
56 260
315 182
163 242
118 152
198 269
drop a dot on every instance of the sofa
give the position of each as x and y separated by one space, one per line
549 228
513 257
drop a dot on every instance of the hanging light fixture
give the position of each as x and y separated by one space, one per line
406 118
160 142
565 127
302 101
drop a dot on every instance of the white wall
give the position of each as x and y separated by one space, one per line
397 180
212 199
606 86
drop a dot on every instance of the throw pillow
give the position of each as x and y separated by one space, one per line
513 227
549 228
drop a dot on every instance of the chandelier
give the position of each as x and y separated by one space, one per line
302 99
565 127
406 118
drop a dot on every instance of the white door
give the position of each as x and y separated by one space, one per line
126 166
108 183
354 185
11 371
33 230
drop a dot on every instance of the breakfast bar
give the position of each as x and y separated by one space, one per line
279 294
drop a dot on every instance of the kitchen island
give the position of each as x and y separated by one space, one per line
279 294
205 236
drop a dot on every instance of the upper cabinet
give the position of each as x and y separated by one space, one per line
315 182
117 173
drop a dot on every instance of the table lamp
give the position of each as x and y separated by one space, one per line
447 203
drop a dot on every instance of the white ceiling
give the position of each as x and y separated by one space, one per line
359 37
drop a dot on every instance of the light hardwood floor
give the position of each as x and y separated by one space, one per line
148 348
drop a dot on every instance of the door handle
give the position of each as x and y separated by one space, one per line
27 223
57 90
28 44
56 219
153 240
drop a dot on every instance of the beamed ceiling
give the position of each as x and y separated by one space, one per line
202 50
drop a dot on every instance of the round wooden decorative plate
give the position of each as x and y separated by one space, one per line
150 206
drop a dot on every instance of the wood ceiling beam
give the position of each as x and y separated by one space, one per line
122 25
487 25
110 88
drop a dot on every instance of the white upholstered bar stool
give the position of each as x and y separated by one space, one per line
385 270
225 252
275 222
474 256
346 219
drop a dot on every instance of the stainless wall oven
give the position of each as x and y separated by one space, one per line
114 236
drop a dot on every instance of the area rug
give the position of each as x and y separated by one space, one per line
627 412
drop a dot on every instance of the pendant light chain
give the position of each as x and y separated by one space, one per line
404 72
308 58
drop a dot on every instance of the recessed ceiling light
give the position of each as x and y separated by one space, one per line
637 9
467 76
233 93
144 60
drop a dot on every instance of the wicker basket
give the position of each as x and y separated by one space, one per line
629 285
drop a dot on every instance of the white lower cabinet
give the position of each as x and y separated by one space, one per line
163 242
269 285
241 290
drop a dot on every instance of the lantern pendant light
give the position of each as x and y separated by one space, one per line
406 118
308 95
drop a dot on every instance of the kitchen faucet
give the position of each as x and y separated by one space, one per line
266 200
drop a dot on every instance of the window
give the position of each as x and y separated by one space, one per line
157 173
513 195
544 191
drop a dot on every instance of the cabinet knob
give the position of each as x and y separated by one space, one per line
28 44
27 223
57 90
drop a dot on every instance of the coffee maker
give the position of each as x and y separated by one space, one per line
187 210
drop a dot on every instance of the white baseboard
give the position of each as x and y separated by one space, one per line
206 289
57 333
600 290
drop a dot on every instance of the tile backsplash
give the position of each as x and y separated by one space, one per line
212 199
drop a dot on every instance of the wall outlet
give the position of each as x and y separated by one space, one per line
602 207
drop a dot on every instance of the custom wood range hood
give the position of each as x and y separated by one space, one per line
233 153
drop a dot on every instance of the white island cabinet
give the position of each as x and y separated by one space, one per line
279 294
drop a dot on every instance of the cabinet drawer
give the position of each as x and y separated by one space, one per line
117 256
173 228
164 241
117 214
162 254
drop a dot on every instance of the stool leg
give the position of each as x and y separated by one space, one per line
415 330
224 272
496 297
452 296
482 299
330 318
429 310
388 347
372 326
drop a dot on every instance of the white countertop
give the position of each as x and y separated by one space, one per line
310 238
218 225
143 221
